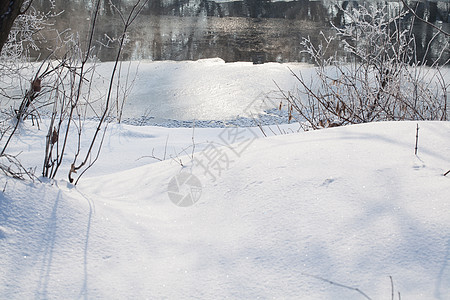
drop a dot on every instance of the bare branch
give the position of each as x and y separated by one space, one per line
339 285
422 20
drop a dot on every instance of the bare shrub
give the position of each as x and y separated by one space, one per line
72 92
383 79
20 27
64 83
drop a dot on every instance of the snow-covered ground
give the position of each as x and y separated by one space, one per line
207 89
176 93
241 216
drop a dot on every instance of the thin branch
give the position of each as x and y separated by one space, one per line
339 285
27 7
138 6
424 21
392 287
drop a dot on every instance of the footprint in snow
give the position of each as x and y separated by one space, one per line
327 182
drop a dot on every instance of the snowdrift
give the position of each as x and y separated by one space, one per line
350 205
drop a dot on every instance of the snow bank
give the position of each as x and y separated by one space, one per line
353 205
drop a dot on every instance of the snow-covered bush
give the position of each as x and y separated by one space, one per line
20 28
381 79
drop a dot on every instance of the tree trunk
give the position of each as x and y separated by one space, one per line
9 10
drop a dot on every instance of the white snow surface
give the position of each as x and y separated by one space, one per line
206 89
353 205
284 216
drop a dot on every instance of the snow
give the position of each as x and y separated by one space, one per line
202 90
352 205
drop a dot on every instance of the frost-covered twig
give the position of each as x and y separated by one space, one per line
385 80
423 20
